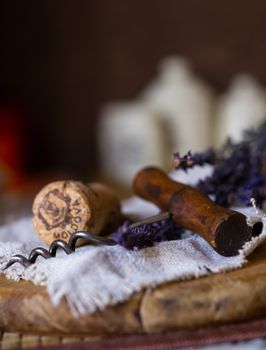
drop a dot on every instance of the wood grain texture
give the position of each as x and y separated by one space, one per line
216 299
25 307
224 229
10 341
15 341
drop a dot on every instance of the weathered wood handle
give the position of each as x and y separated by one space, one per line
225 230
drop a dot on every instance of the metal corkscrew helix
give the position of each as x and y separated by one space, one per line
70 247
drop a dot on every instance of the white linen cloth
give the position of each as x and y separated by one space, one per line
95 277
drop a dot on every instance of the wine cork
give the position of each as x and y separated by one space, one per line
64 207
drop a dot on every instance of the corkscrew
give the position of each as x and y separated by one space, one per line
70 246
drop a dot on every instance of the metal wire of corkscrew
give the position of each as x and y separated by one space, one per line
70 247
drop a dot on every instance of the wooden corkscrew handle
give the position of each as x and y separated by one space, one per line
225 230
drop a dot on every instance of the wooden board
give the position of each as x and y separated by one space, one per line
15 341
216 299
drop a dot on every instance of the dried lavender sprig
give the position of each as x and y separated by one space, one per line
189 160
239 170
146 235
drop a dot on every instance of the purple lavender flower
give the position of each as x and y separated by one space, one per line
146 235
239 169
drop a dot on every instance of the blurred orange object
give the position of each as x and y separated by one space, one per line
12 146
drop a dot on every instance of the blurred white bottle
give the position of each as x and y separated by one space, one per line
186 104
241 108
130 136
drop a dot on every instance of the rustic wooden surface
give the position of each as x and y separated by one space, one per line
216 299
25 307
15 341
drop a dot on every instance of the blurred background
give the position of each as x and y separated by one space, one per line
94 89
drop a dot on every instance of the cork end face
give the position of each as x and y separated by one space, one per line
60 209
232 234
